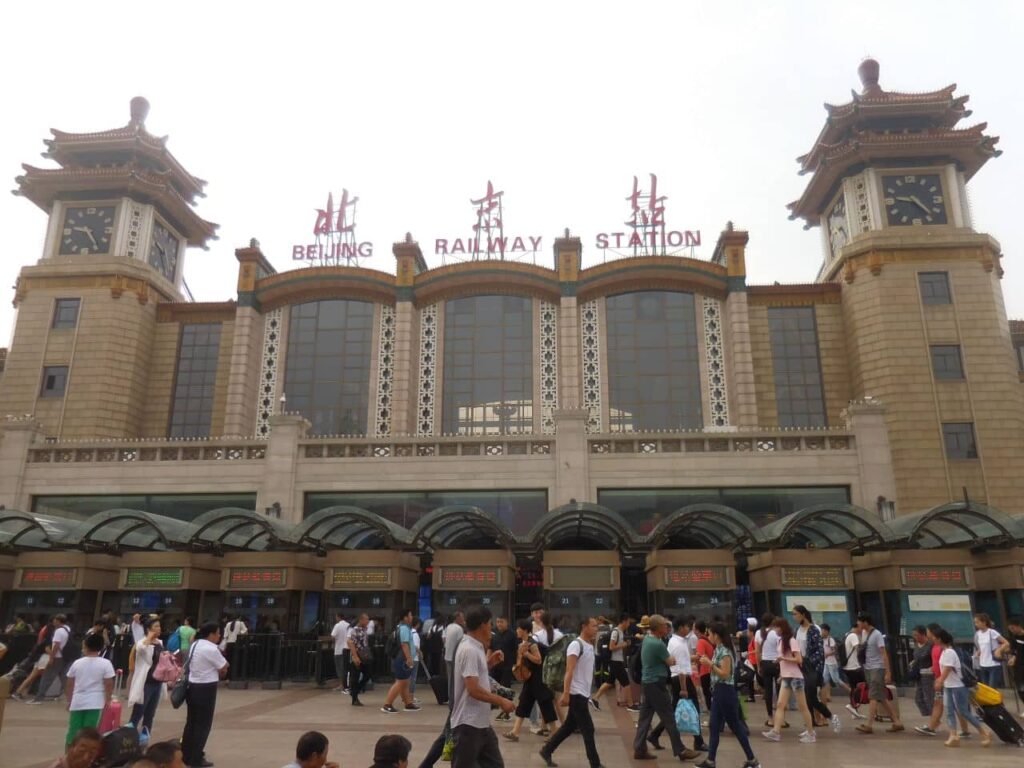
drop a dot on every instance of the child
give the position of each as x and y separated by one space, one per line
90 684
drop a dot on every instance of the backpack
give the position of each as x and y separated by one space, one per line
862 648
967 673
841 655
433 643
393 646
553 671
71 651
604 651
174 641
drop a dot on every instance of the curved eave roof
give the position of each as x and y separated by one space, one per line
117 529
830 526
584 520
958 525
20 531
714 525
344 527
447 526
238 529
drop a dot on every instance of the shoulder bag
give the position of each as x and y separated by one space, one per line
180 688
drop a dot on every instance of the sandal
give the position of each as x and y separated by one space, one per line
510 736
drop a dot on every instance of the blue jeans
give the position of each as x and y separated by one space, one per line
725 708
990 676
958 702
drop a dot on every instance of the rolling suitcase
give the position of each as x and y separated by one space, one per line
1003 724
110 720
439 685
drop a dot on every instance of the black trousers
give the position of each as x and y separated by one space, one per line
812 682
201 700
769 678
476 748
577 719
691 694
657 702
358 677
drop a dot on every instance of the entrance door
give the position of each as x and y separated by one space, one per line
634 590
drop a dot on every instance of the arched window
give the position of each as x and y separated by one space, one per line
653 361
327 376
488 365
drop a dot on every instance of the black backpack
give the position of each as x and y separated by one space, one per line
862 649
72 649
393 646
604 651
841 655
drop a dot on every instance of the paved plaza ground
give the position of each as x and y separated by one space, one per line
255 728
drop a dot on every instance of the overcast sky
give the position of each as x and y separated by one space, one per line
415 106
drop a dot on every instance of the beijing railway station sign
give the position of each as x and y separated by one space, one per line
645 232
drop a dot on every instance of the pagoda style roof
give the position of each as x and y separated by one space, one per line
126 160
886 126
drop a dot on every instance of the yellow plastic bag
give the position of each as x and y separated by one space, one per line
986 696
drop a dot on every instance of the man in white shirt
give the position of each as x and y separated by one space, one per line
679 675
852 670
579 679
475 741
56 667
341 655
452 635
207 666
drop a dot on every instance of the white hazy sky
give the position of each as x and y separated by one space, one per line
414 106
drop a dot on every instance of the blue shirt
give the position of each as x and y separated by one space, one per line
405 637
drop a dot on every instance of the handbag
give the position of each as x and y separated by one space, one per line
521 672
167 668
180 688
687 719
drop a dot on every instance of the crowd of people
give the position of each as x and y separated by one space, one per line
473 660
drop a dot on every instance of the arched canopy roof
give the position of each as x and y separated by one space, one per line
958 524
714 526
458 525
830 525
21 531
117 529
583 521
344 527
236 528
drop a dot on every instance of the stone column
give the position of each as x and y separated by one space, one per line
568 253
866 419
572 474
17 435
730 252
409 263
281 464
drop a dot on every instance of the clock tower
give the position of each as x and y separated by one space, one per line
923 313
121 215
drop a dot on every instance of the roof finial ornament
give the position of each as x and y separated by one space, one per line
140 110
868 73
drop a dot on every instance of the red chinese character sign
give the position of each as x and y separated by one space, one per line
335 233
488 240
648 233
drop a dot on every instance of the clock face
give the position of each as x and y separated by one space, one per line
914 199
163 252
838 232
87 230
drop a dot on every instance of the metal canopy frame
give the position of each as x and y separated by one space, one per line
116 529
345 527
959 524
583 520
830 526
714 525
20 531
236 528
445 526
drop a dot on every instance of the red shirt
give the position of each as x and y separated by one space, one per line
705 648
936 653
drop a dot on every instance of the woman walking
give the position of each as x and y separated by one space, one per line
145 690
766 642
534 691
725 702
955 695
791 684
989 649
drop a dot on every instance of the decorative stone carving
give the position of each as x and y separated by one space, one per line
132 243
268 372
718 397
385 370
590 328
428 371
548 366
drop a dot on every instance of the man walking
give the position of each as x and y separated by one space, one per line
56 666
402 666
504 640
656 664
452 635
341 653
617 644
359 658
576 686
206 668
877 674
476 744
681 674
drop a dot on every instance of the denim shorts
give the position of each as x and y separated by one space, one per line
401 669
793 683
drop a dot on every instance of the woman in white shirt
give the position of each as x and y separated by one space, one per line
766 646
956 697
207 666
989 648
145 690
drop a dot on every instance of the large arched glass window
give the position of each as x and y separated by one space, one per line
327 376
488 365
653 362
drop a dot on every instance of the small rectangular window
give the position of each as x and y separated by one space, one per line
946 362
934 287
959 439
65 313
1019 349
55 379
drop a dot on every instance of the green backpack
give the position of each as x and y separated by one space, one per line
553 670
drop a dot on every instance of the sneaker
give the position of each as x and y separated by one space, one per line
772 735
414 707
595 704
751 764
346 691
536 729
389 710
706 764
837 724
924 729
547 759
853 711
17 696
688 754
808 738
633 708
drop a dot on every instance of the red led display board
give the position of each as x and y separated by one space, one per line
696 577
934 576
257 578
463 577
49 578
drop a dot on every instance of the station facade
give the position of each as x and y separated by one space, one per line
651 433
